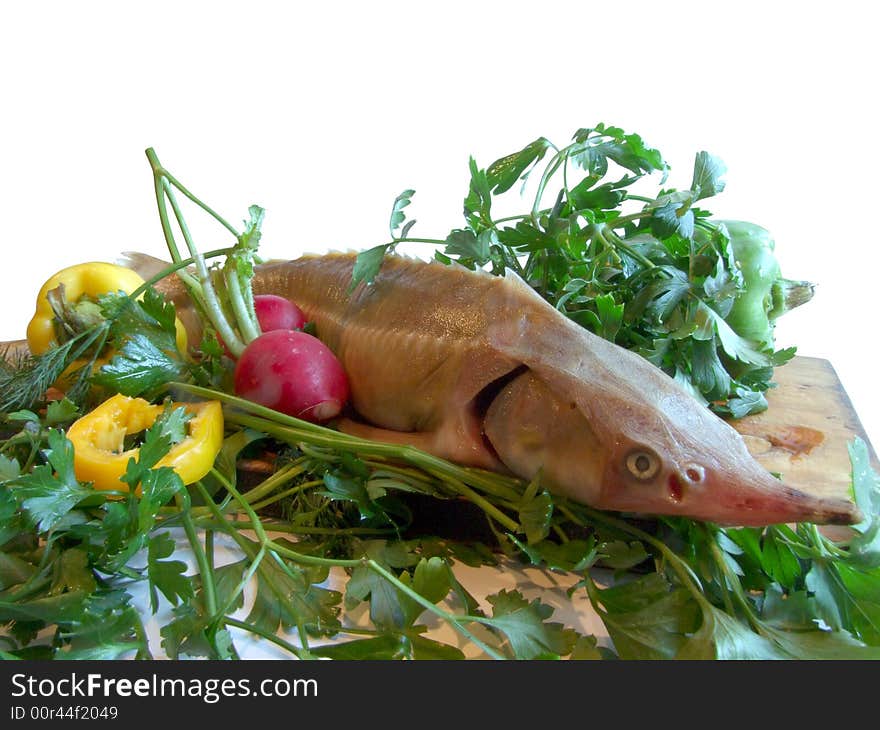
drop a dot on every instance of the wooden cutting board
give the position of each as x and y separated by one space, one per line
804 433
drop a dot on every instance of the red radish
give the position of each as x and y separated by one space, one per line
292 372
277 313
273 313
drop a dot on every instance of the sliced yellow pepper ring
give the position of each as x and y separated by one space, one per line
98 438
91 279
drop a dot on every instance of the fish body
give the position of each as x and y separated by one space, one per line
479 369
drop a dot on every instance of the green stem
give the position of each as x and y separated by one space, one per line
265 546
281 551
608 237
622 220
223 524
260 532
456 621
273 638
246 578
549 172
298 557
159 171
245 318
250 407
384 469
276 480
452 475
251 515
826 548
287 493
487 507
209 549
203 290
507 219
214 309
290 429
812 543
183 502
143 651
159 188
32 456
435 241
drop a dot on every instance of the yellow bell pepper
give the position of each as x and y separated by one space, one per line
90 279
98 438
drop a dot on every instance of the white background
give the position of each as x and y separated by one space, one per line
323 115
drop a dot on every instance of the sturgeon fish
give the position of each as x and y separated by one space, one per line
481 370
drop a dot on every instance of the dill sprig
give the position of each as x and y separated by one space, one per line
25 377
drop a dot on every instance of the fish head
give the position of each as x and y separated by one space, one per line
652 450
671 455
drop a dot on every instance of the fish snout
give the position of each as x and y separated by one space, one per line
752 496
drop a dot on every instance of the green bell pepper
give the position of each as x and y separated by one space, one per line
766 295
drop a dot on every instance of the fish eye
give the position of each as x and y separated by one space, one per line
642 464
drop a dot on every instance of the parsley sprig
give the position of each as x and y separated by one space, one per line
223 296
645 268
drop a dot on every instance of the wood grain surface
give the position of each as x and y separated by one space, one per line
805 432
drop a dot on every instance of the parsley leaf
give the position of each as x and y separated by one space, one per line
151 317
72 573
288 596
535 515
108 628
51 490
139 367
721 636
504 172
646 618
657 280
431 579
367 265
478 202
398 216
172 423
672 218
708 171
469 247
167 576
525 626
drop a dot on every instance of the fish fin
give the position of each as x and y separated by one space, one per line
143 263
445 442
